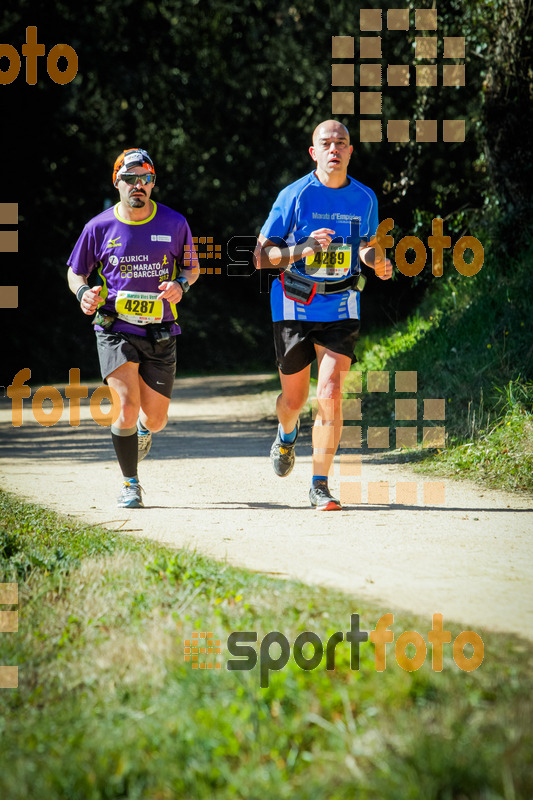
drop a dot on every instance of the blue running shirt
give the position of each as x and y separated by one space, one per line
303 207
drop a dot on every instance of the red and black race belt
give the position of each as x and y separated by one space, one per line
302 290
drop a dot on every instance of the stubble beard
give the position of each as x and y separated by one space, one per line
137 202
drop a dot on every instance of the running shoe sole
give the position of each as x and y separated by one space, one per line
333 505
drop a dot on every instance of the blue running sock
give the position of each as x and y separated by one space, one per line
288 437
317 478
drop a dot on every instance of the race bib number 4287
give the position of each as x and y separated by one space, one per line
139 308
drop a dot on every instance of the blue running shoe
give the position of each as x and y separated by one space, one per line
130 495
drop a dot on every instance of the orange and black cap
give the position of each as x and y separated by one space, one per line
132 157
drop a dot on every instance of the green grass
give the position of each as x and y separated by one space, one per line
470 343
108 708
499 457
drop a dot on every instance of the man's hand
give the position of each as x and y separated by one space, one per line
323 236
91 300
322 240
383 269
373 256
171 291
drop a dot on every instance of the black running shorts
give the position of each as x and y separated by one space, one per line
157 361
294 341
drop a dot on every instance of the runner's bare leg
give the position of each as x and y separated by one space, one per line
332 370
136 396
154 408
125 381
294 393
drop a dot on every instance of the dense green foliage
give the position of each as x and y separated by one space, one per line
224 95
470 343
107 707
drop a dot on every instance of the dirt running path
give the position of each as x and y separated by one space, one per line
209 485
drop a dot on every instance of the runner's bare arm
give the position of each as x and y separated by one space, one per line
90 299
75 281
268 255
191 274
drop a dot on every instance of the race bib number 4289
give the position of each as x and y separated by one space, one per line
335 262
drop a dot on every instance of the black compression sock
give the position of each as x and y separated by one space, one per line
125 444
